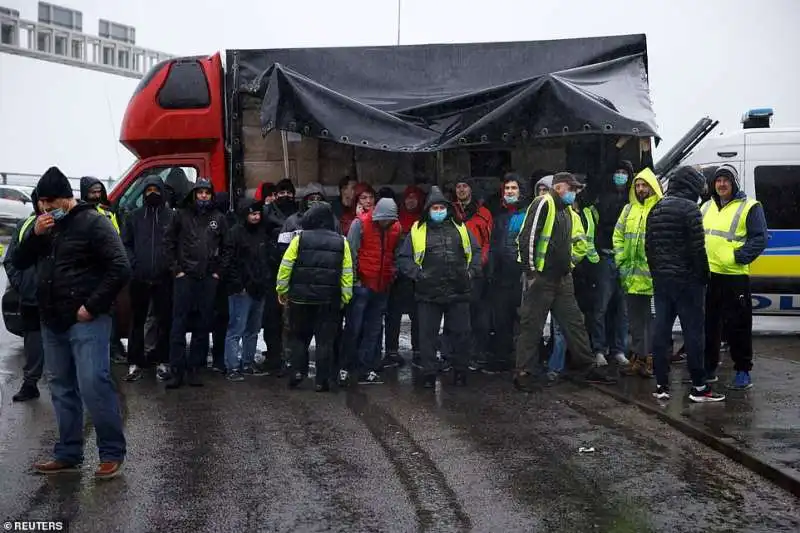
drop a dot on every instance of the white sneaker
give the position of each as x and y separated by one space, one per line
621 360
344 375
600 359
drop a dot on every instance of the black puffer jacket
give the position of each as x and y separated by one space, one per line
674 239
143 236
317 273
609 204
444 276
81 263
248 256
195 238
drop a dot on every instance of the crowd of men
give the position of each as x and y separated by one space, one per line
344 272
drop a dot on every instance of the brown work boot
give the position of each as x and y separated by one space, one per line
646 368
55 467
108 470
635 367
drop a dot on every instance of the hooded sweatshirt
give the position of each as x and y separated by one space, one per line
195 238
373 248
444 276
293 224
248 255
756 222
674 237
143 236
87 182
312 269
407 218
629 234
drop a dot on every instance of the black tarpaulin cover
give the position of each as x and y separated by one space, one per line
434 97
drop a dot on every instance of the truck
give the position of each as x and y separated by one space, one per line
389 115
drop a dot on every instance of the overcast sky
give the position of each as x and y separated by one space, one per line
710 57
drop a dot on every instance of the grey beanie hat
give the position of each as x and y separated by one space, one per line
385 209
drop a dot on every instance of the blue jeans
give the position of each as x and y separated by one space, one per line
244 323
77 363
609 326
559 355
684 300
363 330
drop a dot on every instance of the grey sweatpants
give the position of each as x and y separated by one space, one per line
640 322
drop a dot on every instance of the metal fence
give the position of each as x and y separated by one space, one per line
30 180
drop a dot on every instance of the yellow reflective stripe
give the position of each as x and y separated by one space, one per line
25 226
346 280
730 235
287 266
419 237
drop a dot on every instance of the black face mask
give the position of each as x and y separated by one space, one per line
153 199
286 204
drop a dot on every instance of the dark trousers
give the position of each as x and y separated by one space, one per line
142 294
609 325
401 302
685 301
505 301
543 296
318 321
272 323
457 326
192 298
219 328
32 346
729 315
479 317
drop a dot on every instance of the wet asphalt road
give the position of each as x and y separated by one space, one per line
254 456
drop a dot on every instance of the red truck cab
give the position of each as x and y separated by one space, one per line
175 125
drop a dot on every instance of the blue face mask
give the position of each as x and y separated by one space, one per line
203 204
438 216
510 199
568 197
620 179
57 214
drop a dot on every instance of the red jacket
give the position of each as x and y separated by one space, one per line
479 222
376 265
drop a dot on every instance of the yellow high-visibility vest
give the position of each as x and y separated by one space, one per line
419 238
726 232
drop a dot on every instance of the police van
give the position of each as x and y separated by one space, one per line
768 161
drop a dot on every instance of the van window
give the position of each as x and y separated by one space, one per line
778 190
178 181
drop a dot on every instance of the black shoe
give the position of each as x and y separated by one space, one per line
429 382
295 380
26 392
598 377
175 380
460 378
193 378
322 387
